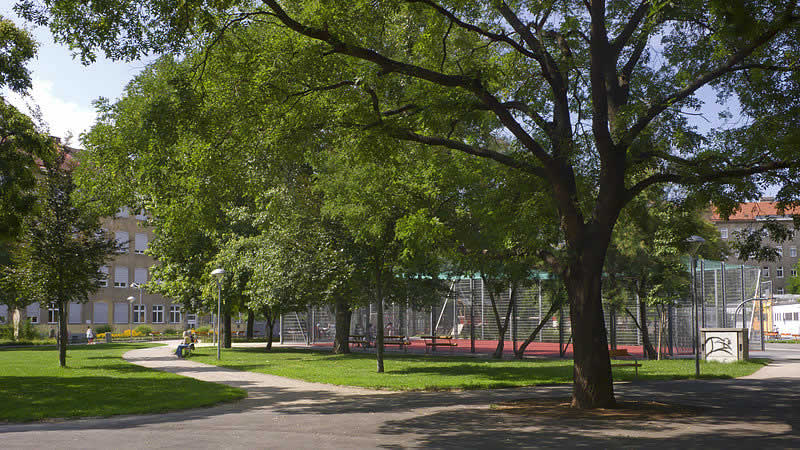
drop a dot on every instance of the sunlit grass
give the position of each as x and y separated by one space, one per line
425 372
97 382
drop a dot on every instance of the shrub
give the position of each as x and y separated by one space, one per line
202 330
144 330
102 329
170 331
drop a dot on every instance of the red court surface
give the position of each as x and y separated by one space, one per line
535 349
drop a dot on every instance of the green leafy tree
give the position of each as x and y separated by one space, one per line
593 95
58 257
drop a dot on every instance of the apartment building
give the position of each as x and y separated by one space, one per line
110 305
751 216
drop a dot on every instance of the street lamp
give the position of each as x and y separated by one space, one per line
218 274
694 244
131 299
141 306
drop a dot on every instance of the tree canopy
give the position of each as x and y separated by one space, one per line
593 97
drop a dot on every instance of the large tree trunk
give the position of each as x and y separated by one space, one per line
62 335
270 327
593 384
649 351
343 315
251 319
226 339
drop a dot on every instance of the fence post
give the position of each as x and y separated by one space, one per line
280 329
539 285
670 335
513 319
744 305
724 289
702 293
483 322
471 314
561 350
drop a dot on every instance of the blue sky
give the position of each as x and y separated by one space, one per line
63 88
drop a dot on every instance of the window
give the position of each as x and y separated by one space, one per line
123 212
794 272
75 313
793 252
787 316
103 281
175 314
3 314
779 271
123 240
140 276
100 312
765 272
121 312
52 314
32 311
158 313
723 233
779 291
795 316
138 313
141 215
191 319
780 251
140 243
120 277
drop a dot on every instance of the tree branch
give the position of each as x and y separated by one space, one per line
619 42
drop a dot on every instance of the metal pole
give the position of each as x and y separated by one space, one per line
670 335
761 321
641 320
716 300
561 349
513 318
539 286
280 328
744 311
703 293
219 322
724 289
471 314
483 323
694 325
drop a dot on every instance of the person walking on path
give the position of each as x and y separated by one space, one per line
90 335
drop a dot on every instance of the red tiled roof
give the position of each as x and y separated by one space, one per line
752 210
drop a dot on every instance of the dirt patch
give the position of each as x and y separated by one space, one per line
625 410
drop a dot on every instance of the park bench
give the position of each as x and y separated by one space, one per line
359 340
623 353
400 341
438 341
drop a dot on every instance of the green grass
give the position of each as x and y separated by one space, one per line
42 341
418 372
98 382
783 341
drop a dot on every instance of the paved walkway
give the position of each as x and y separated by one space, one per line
759 411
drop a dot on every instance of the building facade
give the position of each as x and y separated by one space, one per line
110 305
751 216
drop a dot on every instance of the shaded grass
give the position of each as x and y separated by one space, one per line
424 372
26 342
98 382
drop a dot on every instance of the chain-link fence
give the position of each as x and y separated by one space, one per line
466 308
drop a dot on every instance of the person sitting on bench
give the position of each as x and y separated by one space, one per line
187 343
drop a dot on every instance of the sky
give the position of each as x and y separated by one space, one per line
63 88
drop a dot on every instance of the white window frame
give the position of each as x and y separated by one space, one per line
123 212
157 309
52 314
139 315
175 312
779 271
793 272
765 271
123 239
780 251
723 233
793 252
140 249
121 284
103 281
779 291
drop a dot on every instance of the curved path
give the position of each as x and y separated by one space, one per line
758 411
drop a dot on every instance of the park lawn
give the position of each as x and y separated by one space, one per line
427 372
98 382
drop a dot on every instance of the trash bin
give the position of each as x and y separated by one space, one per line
725 344
108 337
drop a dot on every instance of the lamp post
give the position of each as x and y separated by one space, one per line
218 274
694 244
141 306
131 299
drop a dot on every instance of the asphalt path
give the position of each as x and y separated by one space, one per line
759 411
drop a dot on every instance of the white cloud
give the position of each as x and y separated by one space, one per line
60 116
